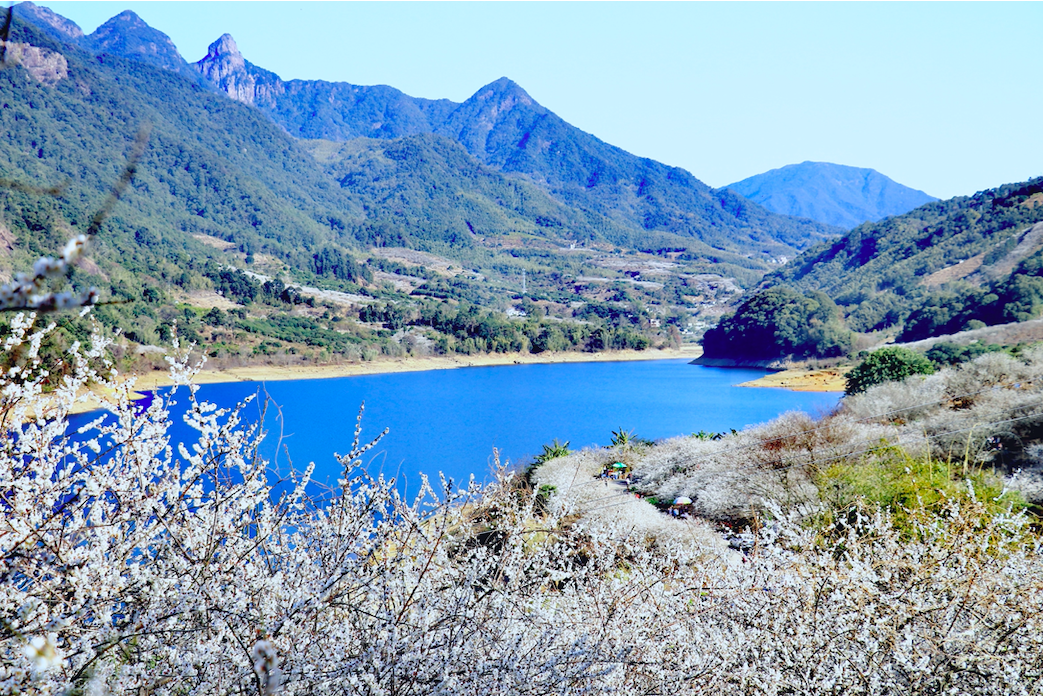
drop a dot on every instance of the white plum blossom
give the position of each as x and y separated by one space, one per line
134 563
43 652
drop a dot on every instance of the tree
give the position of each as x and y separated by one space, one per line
780 322
887 365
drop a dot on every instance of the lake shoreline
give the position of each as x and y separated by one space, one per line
156 379
804 379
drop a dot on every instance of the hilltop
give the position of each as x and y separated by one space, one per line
833 194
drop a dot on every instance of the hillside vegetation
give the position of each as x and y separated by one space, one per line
219 186
879 273
776 323
322 230
946 267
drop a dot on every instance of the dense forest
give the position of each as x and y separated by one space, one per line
777 323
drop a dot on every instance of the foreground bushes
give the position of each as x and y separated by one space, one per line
131 564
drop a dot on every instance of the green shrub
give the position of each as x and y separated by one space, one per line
949 353
550 451
886 365
909 487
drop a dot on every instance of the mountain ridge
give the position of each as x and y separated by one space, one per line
505 128
500 125
317 109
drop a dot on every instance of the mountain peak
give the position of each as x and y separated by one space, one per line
224 47
50 21
126 17
225 68
505 89
129 36
500 103
835 194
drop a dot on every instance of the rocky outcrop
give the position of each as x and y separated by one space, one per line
45 66
225 68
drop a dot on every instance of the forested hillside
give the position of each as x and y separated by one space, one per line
879 273
945 267
320 230
210 167
428 188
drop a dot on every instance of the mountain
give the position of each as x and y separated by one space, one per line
212 167
128 36
408 203
220 186
317 109
125 35
636 201
50 22
830 193
880 273
505 128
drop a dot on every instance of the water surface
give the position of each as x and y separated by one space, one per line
450 420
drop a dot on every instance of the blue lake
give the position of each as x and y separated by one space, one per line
450 420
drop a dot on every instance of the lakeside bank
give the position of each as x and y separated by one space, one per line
804 379
156 379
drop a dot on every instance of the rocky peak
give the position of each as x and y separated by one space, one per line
225 68
225 52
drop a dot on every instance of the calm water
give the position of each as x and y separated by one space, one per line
450 420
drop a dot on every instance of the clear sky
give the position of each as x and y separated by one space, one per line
943 97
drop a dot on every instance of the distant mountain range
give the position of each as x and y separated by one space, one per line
833 194
640 202
505 128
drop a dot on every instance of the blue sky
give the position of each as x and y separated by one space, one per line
943 97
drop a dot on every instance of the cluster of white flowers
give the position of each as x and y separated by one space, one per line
30 290
131 563
957 413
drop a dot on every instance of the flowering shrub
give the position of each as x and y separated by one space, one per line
133 564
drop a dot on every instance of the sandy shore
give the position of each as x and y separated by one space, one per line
272 373
829 380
